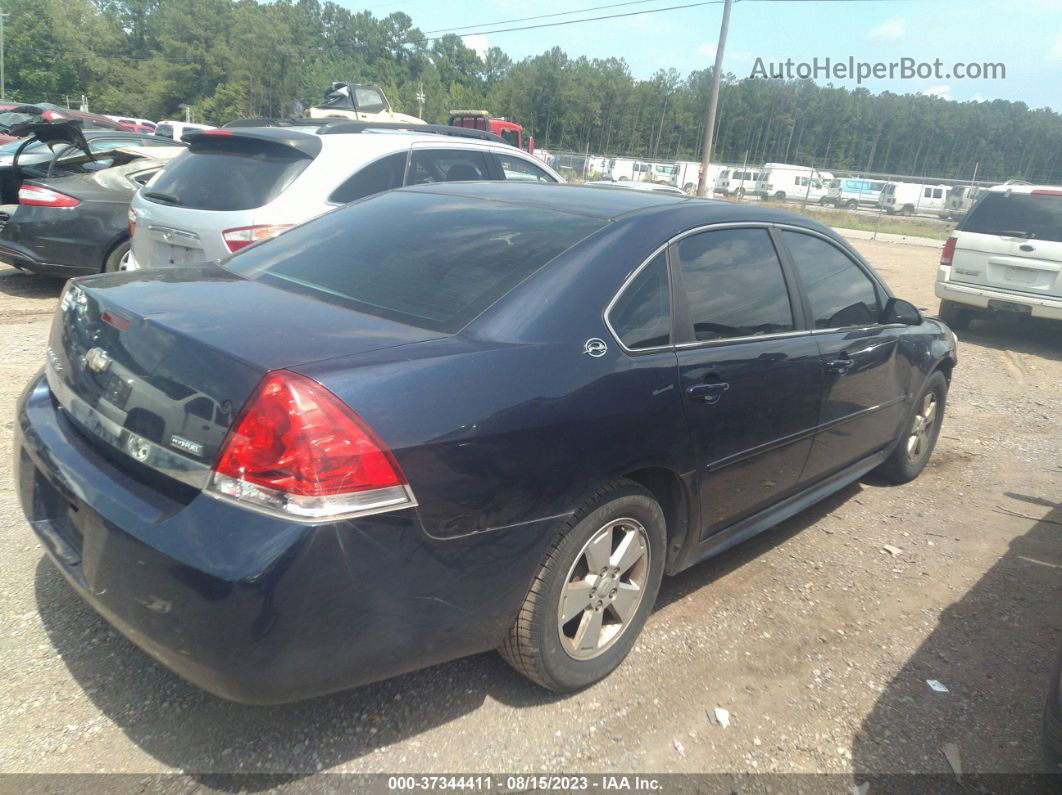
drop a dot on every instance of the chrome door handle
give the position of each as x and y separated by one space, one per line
710 393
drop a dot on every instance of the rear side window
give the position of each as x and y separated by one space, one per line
423 259
228 174
164 130
641 317
839 291
384 174
1036 216
733 284
518 169
447 165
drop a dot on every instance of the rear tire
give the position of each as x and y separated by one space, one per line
116 258
617 541
957 318
920 432
851 204
739 193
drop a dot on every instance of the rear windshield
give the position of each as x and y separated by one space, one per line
227 174
1016 215
426 260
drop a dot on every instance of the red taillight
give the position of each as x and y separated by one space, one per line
298 450
35 196
243 236
948 252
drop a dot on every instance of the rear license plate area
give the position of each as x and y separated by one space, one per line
1009 306
1018 275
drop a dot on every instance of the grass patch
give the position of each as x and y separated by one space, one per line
885 223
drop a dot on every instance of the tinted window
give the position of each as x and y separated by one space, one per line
1031 215
164 130
229 174
516 168
447 165
511 137
427 260
641 317
733 284
384 174
839 292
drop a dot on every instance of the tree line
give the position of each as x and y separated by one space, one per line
228 59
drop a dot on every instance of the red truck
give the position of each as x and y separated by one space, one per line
512 132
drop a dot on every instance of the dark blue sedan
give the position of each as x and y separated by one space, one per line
454 418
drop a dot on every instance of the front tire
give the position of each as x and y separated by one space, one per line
594 591
920 432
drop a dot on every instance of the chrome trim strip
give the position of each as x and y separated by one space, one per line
409 502
93 421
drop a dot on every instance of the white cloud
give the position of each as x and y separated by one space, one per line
477 42
938 91
1054 53
889 30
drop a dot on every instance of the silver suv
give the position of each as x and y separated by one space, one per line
237 186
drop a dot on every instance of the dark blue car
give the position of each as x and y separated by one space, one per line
454 418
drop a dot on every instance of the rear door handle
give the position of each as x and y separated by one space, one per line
839 366
710 393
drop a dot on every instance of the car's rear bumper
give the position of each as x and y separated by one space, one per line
253 608
979 297
23 257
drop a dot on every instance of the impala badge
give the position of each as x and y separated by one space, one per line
595 347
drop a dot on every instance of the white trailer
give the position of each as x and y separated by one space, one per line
911 198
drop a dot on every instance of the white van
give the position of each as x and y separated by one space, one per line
911 198
782 181
853 192
960 199
689 173
736 182
1004 256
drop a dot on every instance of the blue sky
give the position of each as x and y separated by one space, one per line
1025 35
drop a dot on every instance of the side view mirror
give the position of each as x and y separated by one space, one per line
899 311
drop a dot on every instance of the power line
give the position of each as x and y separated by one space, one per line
586 19
540 16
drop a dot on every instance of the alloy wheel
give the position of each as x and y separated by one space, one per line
604 589
922 427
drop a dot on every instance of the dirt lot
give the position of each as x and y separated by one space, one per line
816 639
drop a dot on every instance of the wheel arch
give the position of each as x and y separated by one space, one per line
109 248
669 489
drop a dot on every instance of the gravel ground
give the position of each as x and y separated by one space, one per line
816 639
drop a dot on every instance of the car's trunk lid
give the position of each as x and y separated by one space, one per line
1012 242
155 366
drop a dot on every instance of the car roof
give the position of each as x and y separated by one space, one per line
609 203
1016 188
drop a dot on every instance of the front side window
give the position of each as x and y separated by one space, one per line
511 137
369 100
447 165
385 174
733 284
518 169
839 291
641 317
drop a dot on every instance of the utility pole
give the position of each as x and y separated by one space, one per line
3 81
420 100
709 126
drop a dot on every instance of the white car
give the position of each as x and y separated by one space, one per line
239 185
1005 256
